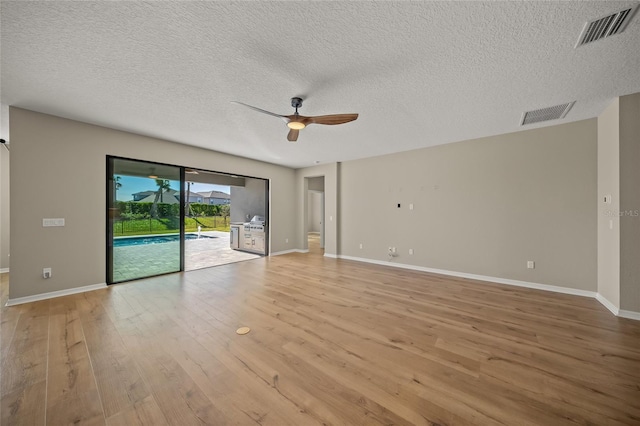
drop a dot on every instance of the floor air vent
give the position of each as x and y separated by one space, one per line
607 26
546 114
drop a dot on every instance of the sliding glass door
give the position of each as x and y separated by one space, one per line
144 229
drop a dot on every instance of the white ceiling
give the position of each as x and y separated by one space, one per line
419 73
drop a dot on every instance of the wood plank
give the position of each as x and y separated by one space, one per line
142 412
72 394
25 405
120 385
25 360
179 398
8 318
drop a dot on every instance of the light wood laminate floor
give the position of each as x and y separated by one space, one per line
331 342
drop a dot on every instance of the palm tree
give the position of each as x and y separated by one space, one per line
116 185
163 185
186 210
114 209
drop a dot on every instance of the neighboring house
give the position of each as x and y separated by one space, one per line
172 197
195 197
168 197
139 196
214 198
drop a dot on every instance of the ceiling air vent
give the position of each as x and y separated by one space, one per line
607 26
546 114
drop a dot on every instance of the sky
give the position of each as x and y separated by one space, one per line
133 184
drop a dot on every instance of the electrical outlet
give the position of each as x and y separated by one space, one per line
531 264
286 240
46 273
410 251
360 245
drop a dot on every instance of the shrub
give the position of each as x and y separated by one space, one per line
199 209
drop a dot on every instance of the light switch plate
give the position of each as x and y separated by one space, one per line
47 222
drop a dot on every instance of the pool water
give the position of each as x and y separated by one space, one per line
156 239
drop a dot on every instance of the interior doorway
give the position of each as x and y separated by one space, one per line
315 214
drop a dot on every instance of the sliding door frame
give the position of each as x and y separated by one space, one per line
110 193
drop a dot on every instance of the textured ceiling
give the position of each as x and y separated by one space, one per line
419 73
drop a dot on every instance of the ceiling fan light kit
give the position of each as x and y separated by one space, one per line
297 122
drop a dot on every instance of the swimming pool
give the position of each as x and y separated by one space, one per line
154 239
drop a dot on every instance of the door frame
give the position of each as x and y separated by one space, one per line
305 211
109 194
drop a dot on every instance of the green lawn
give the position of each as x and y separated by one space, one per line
169 226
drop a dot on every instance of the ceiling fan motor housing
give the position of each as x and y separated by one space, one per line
296 102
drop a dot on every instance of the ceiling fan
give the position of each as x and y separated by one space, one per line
297 122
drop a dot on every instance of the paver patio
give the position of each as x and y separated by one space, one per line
136 261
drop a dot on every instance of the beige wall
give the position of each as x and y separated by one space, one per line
58 169
630 202
608 221
249 200
483 206
4 209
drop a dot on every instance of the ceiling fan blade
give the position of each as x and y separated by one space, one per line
284 117
332 119
293 135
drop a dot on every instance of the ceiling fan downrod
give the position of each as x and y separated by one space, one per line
296 103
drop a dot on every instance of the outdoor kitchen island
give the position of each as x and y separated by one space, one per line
250 235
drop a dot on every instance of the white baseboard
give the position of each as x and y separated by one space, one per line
610 306
537 286
566 290
617 311
279 253
629 315
4 270
52 294
333 256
